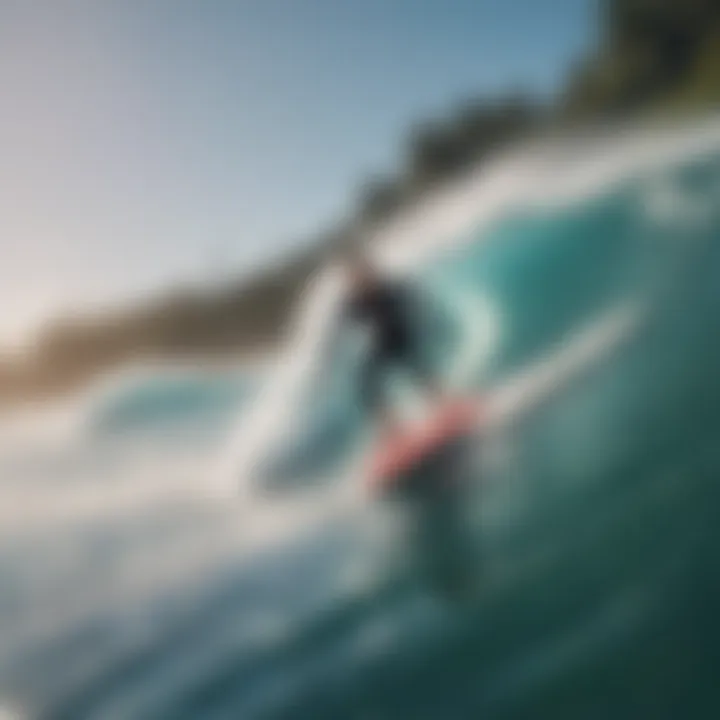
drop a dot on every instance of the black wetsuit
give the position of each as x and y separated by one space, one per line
389 311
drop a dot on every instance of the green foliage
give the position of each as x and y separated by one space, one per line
652 53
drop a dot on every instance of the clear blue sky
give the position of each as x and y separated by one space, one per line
144 142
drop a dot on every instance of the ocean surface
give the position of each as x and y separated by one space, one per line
131 587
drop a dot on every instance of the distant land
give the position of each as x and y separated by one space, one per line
655 57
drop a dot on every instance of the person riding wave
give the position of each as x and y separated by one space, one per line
390 311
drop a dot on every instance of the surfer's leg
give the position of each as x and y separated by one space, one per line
424 376
373 384
370 385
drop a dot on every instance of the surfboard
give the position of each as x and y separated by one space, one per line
409 448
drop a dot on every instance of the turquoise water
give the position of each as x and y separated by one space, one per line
159 401
595 519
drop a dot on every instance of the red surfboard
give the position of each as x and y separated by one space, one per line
405 450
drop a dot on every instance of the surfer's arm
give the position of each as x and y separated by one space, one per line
338 331
336 343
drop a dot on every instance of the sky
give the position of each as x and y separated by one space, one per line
150 143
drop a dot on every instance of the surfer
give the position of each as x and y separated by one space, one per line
390 310
432 484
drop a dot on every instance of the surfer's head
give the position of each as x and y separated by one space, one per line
360 269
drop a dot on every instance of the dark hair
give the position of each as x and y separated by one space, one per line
353 257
